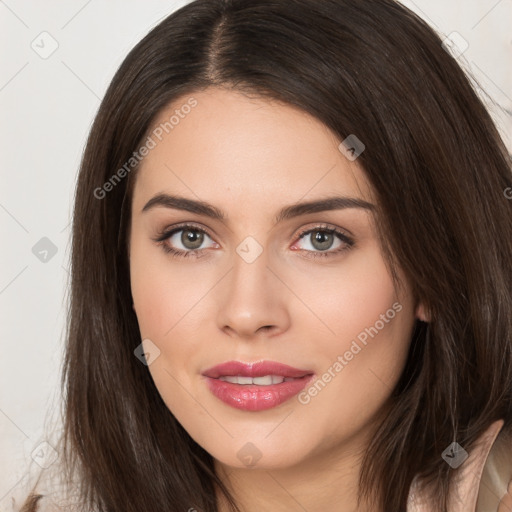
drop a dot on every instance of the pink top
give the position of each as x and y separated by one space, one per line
484 483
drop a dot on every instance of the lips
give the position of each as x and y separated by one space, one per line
258 369
255 386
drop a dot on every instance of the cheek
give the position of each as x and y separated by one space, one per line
163 295
364 350
351 297
162 298
170 308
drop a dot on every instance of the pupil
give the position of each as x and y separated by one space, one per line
192 237
322 240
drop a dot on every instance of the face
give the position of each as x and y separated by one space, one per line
304 296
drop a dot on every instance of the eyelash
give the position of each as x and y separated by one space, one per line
198 253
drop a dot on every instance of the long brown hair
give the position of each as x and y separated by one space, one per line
439 170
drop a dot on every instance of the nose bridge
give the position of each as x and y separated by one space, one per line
249 283
250 269
252 296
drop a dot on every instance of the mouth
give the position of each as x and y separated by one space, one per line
265 380
255 386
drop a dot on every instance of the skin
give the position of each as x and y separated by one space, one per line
251 157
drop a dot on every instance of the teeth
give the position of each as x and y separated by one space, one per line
233 380
266 380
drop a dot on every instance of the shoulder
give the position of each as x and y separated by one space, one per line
495 489
483 483
27 497
33 500
37 501
32 503
44 490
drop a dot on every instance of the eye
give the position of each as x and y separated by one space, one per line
322 239
184 241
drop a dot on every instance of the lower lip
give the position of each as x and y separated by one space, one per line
251 397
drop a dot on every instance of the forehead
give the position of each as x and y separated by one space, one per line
244 151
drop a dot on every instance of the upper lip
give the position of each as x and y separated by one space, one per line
256 369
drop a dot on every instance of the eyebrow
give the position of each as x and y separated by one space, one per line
288 212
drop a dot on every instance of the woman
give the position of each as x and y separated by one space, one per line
291 278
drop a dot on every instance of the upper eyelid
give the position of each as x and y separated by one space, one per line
327 227
171 230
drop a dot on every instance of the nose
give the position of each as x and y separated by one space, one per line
252 300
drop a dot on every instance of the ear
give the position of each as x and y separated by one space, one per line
421 313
